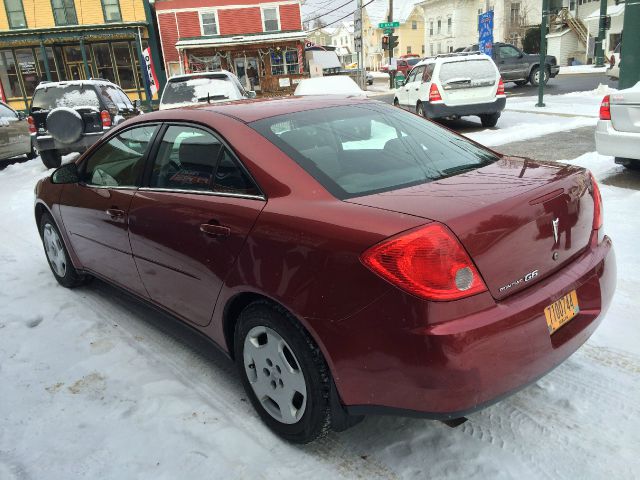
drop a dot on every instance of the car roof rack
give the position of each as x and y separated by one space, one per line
457 54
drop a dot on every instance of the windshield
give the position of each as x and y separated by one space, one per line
185 91
363 149
48 98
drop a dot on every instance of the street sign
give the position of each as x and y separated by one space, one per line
388 31
389 25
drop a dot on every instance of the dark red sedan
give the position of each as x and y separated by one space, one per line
351 257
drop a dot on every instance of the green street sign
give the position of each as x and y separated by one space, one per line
388 31
389 25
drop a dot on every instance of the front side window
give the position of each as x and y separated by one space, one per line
120 161
111 11
509 52
64 12
359 150
15 13
209 23
270 22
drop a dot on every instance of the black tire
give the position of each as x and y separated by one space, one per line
420 110
489 120
33 153
315 422
71 277
521 83
534 72
51 158
629 163
396 103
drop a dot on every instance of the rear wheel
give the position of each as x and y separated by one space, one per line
420 109
283 373
534 77
57 255
489 120
396 103
628 163
33 153
51 158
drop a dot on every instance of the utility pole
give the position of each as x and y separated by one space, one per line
630 53
359 44
543 52
599 46
392 73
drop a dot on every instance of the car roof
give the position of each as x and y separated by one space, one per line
214 73
453 57
45 84
251 110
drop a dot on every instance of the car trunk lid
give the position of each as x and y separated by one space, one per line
519 220
625 110
468 81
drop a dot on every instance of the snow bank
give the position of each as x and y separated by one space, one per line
581 69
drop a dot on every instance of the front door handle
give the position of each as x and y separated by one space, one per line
215 230
114 212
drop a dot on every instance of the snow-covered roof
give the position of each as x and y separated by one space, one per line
378 9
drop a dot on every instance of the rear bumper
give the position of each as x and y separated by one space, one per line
554 70
610 141
443 360
47 142
442 110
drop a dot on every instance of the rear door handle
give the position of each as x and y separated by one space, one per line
215 230
114 212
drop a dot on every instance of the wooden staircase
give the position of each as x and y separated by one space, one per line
564 18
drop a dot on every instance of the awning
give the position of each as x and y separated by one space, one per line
326 59
238 40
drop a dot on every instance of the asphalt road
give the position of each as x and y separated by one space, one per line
558 85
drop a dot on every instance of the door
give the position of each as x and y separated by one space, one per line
511 63
95 211
189 224
76 71
247 72
414 87
403 91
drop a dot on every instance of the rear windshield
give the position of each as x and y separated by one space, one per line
480 71
358 150
413 61
48 98
199 89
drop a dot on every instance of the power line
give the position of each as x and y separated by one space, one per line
339 19
330 11
318 7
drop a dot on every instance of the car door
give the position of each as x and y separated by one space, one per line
510 63
5 148
425 83
403 91
14 136
190 221
95 211
414 87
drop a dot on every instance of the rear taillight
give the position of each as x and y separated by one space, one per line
434 93
605 110
500 90
105 116
597 204
32 124
427 262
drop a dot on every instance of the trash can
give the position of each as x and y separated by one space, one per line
399 79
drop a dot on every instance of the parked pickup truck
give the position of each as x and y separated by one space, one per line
519 67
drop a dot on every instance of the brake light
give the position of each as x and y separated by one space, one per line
605 110
500 90
427 262
32 124
597 204
105 116
434 93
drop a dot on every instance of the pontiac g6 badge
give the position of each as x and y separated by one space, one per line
527 277
555 223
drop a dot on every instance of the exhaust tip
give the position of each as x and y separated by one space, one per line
455 422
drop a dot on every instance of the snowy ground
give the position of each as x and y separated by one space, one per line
582 69
94 385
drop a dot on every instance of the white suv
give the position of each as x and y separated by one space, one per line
454 85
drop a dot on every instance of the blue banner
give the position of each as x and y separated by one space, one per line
485 32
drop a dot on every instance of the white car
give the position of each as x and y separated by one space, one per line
454 85
194 88
618 130
330 85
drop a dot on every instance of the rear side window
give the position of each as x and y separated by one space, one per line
481 71
48 98
6 112
120 161
199 89
363 149
115 97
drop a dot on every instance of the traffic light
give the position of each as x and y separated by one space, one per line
393 42
385 43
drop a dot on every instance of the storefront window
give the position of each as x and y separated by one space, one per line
204 64
122 54
64 12
277 63
52 64
15 13
28 69
9 75
111 11
73 53
104 64
291 57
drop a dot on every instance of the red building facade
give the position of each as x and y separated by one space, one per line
261 42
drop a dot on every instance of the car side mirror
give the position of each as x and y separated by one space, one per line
67 173
521 55
136 104
21 116
251 94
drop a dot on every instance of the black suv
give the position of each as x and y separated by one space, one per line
519 67
71 116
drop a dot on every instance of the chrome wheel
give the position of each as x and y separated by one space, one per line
55 250
536 77
274 374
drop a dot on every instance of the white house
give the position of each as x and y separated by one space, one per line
341 37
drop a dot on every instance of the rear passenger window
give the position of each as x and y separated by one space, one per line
120 161
193 159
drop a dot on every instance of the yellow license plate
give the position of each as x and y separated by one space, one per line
561 311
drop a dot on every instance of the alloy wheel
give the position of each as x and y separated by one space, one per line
274 375
55 250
